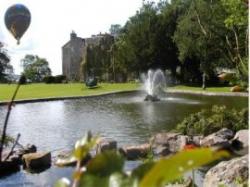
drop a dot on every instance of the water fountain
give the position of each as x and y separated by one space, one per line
154 85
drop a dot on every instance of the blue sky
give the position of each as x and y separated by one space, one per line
53 20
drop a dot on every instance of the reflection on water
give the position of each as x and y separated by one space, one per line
124 117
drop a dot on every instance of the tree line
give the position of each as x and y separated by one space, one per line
190 38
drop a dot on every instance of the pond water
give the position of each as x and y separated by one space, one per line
124 117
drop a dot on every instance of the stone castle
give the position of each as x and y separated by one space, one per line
76 52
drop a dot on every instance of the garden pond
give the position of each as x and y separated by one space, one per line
124 117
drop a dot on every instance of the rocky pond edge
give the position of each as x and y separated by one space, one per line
162 144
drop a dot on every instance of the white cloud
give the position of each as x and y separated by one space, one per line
52 22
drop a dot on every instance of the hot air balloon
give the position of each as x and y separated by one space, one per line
17 20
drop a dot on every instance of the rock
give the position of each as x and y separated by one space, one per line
196 140
167 143
15 158
135 152
29 148
242 136
237 89
186 183
106 144
37 161
219 138
8 167
240 142
65 159
227 173
16 155
161 150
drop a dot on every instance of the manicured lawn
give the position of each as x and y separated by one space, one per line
31 91
198 89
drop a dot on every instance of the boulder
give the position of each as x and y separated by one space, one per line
36 161
8 167
196 140
240 142
105 145
65 159
228 173
16 154
167 143
29 148
242 137
219 138
185 183
237 89
136 151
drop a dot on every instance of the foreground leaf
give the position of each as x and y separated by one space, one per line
167 170
121 180
88 180
83 146
105 164
142 170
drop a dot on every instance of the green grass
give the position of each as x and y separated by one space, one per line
198 89
33 91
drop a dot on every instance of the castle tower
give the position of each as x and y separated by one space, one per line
72 57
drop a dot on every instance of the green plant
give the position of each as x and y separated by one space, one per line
208 121
54 79
49 79
240 182
22 79
106 169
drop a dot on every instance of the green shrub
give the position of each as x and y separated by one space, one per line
55 79
209 121
22 79
60 78
49 79
8 139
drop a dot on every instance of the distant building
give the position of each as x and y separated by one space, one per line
76 50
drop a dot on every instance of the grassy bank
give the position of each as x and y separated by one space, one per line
32 91
198 89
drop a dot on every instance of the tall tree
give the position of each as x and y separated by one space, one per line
236 22
35 68
200 35
4 62
146 40
139 36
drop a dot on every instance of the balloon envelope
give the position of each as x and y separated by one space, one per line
17 20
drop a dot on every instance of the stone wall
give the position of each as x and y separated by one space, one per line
74 52
72 57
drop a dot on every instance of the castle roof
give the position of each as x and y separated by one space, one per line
93 40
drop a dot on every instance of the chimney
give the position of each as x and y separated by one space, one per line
73 35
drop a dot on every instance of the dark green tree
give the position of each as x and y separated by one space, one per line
236 22
35 68
200 36
207 34
146 40
4 63
140 37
